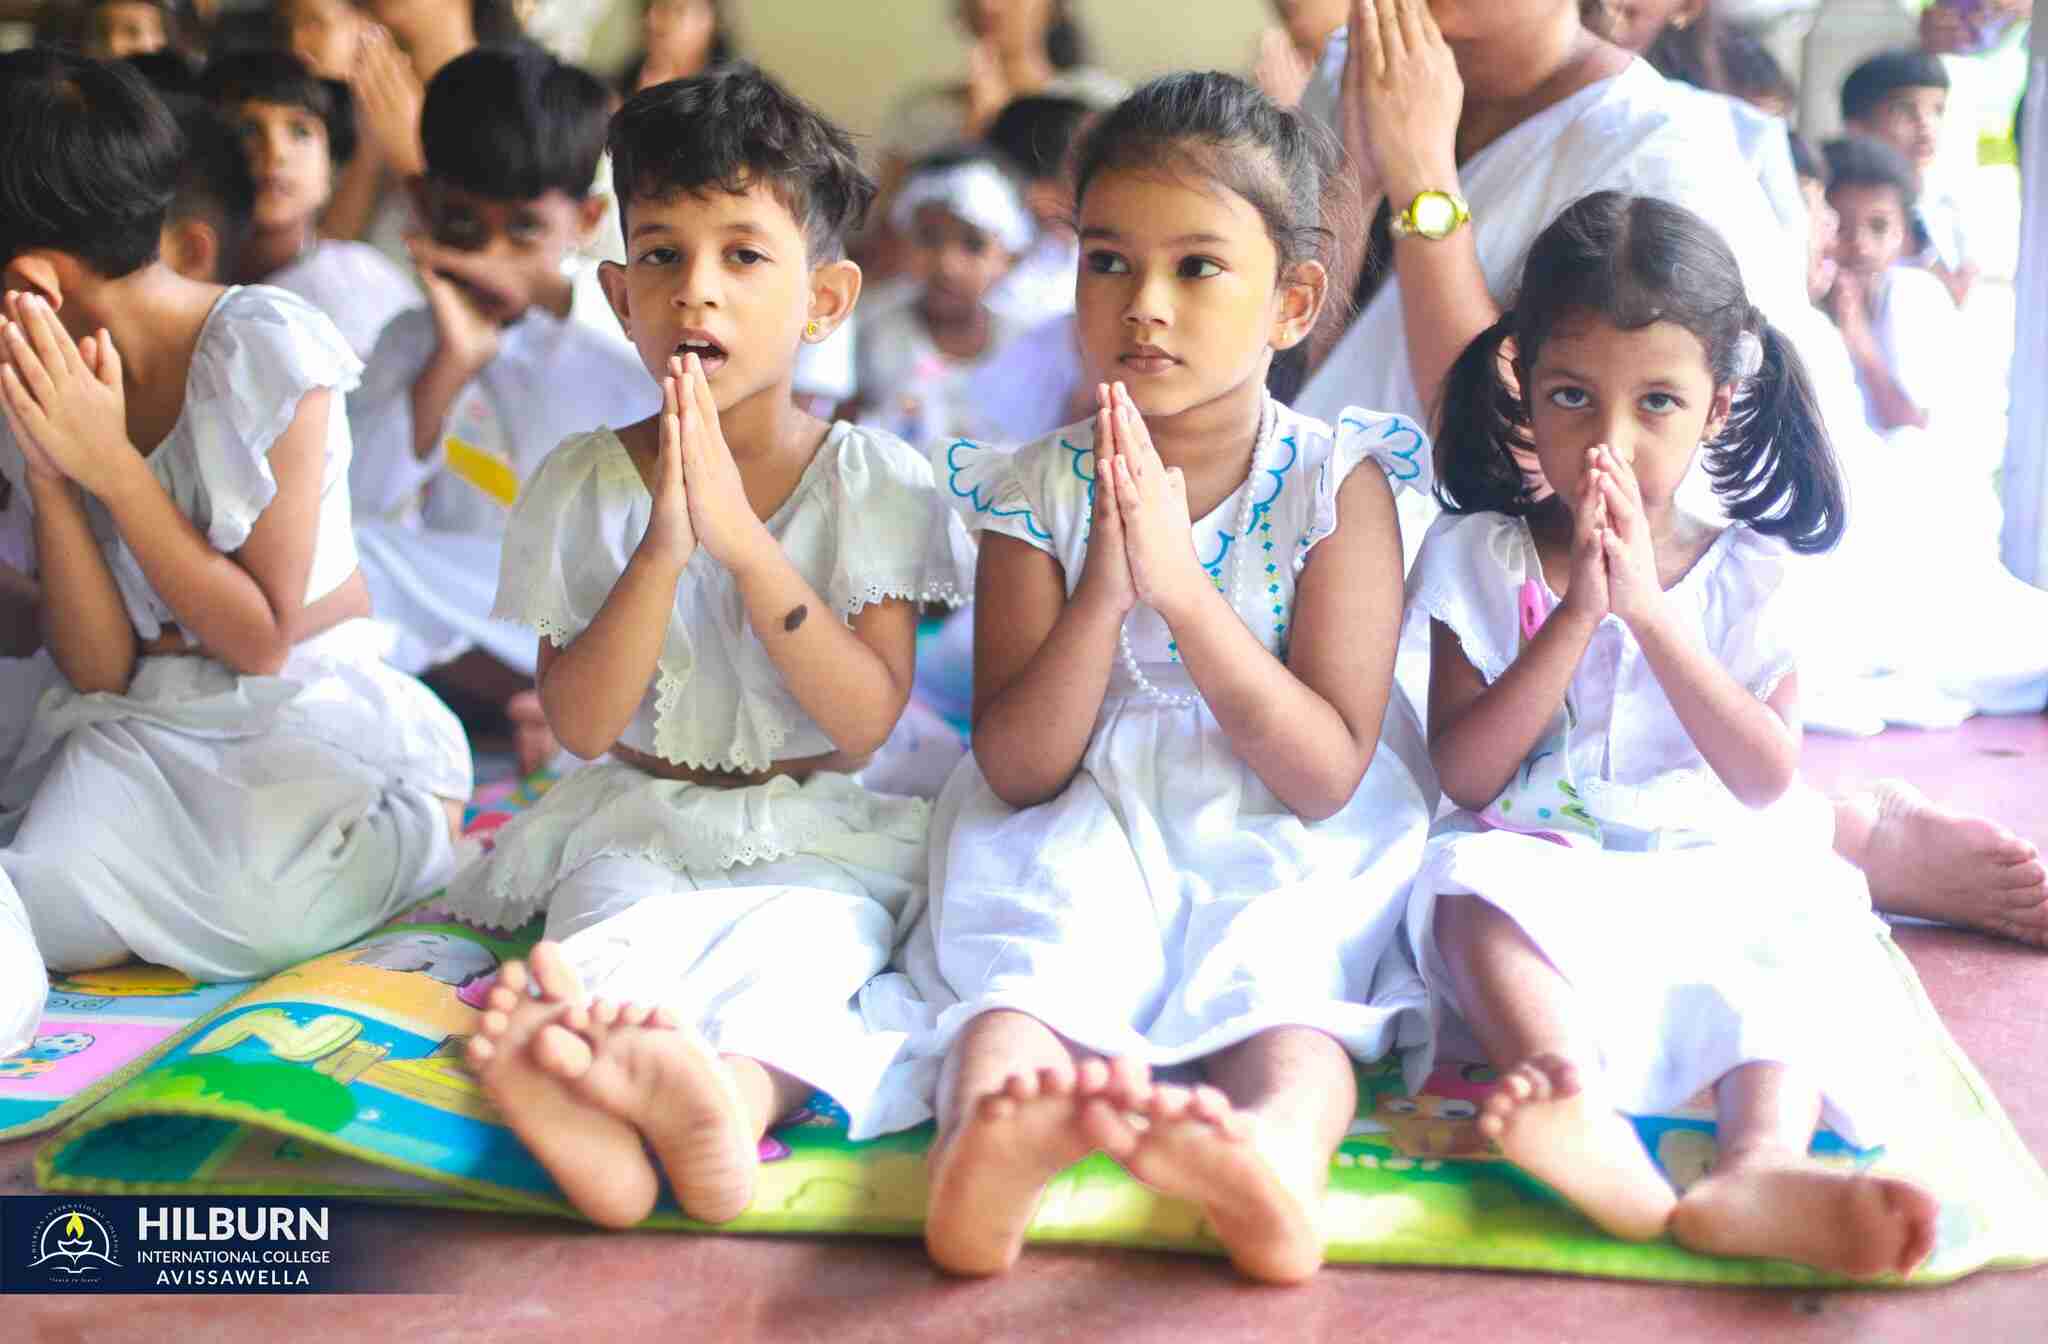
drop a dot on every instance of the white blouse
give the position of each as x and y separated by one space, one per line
860 526
260 352
1480 576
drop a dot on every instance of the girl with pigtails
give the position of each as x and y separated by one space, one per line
1634 900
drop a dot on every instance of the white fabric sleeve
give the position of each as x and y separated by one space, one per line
1760 591
255 364
1468 576
986 486
1922 335
1394 443
891 530
386 473
558 563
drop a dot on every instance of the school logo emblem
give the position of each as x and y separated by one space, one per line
73 1244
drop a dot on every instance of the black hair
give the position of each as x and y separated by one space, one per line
277 76
1217 126
213 179
729 128
1884 74
513 123
1037 133
1806 160
167 72
1860 161
1691 54
88 160
1065 44
1634 261
723 49
495 22
1749 68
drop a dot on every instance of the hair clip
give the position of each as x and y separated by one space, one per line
1749 355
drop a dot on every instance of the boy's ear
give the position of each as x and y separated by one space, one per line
611 277
41 272
1302 293
1718 413
192 249
835 288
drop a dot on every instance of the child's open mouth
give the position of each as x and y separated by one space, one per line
710 352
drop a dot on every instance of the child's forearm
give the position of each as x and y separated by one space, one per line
215 601
1030 736
433 396
1295 741
355 194
84 621
1477 751
591 688
848 688
1894 409
1749 745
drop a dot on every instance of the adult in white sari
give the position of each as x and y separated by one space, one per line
1518 108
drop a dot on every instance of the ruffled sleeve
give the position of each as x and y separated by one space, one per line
1474 574
1393 442
262 351
987 487
1752 603
569 536
894 540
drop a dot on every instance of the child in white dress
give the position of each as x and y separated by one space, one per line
1196 799
297 131
727 598
1634 902
464 396
219 774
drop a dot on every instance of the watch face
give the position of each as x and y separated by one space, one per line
1435 214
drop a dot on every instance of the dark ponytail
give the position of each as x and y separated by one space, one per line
1480 421
1774 466
1065 47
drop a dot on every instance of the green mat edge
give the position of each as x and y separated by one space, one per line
465 1194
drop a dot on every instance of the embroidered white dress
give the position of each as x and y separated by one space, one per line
1698 935
225 825
756 912
1166 905
430 528
911 388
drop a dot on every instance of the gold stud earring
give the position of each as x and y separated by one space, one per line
811 332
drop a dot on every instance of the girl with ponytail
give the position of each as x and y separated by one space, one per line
1635 900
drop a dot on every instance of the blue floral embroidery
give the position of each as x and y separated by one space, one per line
1408 458
1260 508
973 494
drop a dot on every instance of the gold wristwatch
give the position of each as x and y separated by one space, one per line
1434 215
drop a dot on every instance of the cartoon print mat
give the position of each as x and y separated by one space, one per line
101 1028
343 1077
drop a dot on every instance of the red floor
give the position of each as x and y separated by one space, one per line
541 1281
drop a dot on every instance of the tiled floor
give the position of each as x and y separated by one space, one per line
539 1281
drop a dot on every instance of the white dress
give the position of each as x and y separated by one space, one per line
757 912
911 388
430 529
227 826
354 284
1166 905
1694 932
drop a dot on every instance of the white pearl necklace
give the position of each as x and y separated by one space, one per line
1269 426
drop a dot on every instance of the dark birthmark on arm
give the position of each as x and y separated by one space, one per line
795 619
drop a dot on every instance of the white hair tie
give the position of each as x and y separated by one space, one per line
1749 355
975 191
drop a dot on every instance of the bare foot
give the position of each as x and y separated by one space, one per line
1932 863
596 1158
1259 1199
1547 1125
1847 1223
533 741
662 1079
988 1177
